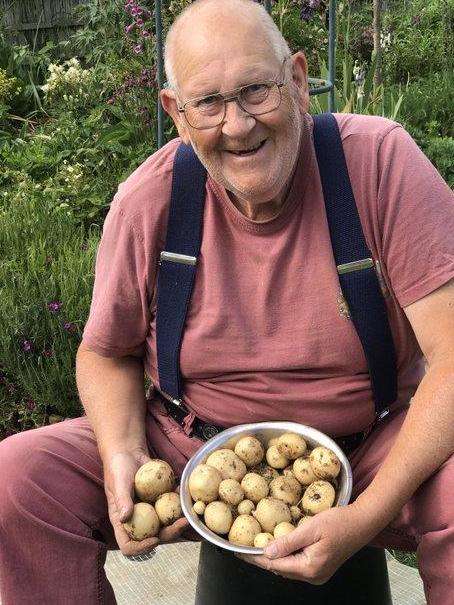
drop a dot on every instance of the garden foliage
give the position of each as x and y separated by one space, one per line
77 117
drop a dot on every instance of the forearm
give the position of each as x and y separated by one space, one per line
113 396
425 441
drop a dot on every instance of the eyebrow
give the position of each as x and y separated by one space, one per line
245 81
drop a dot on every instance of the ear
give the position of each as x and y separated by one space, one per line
169 103
298 66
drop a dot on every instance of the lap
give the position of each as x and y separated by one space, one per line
55 472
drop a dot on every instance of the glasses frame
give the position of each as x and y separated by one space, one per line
233 95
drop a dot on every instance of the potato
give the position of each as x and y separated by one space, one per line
245 507
262 539
244 530
227 463
250 450
286 488
282 529
265 471
153 479
318 496
325 463
204 483
254 487
272 442
218 517
302 469
168 508
275 459
291 445
296 513
230 491
199 507
271 511
143 523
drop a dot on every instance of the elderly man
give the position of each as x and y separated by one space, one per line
267 334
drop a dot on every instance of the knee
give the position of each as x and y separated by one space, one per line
435 497
18 462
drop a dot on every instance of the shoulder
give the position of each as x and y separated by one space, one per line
145 194
371 130
373 143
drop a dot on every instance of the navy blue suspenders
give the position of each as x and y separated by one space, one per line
356 268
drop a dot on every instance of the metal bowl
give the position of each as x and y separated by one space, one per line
264 431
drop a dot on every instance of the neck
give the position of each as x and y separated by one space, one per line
261 212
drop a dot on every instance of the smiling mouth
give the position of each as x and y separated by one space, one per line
250 151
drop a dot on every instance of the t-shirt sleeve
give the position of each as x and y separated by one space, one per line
416 214
120 312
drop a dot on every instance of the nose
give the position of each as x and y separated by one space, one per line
237 122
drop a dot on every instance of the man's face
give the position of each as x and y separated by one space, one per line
269 142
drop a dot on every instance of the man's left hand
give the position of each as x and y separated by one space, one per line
317 548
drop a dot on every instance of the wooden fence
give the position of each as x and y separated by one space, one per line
37 21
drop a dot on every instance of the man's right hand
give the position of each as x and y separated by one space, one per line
119 471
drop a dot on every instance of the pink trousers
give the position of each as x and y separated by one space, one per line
54 530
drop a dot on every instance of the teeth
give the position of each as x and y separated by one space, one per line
247 150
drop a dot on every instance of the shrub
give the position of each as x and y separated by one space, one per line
46 277
441 152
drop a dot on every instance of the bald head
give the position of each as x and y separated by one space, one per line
203 21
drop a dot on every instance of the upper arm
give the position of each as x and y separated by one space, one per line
138 352
432 320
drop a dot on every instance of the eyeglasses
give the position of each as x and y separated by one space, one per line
255 99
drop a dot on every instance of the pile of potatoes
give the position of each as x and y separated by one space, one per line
252 496
159 505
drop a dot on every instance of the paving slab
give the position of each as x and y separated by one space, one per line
169 578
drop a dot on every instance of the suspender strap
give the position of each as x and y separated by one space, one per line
357 274
178 264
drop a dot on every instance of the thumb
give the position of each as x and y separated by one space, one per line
295 540
122 491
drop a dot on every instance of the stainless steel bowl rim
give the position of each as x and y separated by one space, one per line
313 437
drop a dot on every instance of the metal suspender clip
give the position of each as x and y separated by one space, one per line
174 257
382 414
356 265
179 403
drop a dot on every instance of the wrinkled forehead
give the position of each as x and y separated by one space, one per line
236 51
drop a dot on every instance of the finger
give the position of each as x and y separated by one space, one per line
293 567
135 547
172 532
301 537
121 491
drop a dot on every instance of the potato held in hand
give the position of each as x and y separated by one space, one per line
153 479
168 508
144 522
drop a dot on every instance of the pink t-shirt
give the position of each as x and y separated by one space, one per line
268 335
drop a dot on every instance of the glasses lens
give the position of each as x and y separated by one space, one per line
260 98
206 112
255 99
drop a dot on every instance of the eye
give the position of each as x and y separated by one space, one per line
256 93
208 103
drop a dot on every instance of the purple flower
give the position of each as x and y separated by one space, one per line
27 346
138 49
134 11
128 28
139 22
47 353
145 34
54 306
69 326
30 404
